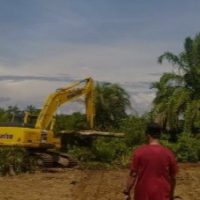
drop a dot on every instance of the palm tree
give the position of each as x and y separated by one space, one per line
178 93
32 109
111 102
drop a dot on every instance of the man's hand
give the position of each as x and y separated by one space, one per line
128 197
126 192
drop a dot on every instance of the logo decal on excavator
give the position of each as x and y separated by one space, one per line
6 136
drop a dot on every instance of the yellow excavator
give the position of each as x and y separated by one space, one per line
38 137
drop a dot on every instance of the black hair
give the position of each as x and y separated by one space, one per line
154 130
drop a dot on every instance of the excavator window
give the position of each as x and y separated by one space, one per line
21 119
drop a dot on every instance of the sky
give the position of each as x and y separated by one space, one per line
45 44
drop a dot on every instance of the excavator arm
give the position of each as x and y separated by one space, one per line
64 95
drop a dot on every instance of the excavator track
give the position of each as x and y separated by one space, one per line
45 160
65 160
51 159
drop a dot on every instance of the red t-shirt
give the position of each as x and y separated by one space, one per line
154 165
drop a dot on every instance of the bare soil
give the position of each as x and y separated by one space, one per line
73 184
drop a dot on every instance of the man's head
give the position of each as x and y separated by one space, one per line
153 130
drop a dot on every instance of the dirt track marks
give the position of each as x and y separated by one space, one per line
188 184
101 185
75 184
38 186
108 185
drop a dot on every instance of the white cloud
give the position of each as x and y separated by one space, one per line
131 62
123 61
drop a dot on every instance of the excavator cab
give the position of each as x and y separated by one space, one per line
24 119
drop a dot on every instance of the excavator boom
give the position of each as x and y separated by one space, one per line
65 95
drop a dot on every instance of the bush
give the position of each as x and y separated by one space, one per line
172 146
107 150
73 122
82 153
15 159
104 150
134 127
187 148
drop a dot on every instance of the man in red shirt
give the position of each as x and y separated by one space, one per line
153 170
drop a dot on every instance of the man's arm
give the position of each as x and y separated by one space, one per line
173 174
173 185
130 183
132 178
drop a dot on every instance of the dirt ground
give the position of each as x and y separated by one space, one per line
76 184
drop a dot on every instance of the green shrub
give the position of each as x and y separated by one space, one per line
82 153
134 128
187 148
124 159
103 150
107 150
172 146
14 158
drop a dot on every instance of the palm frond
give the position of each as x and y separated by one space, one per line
192 112
171 58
